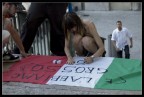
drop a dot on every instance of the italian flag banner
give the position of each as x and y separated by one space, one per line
103 73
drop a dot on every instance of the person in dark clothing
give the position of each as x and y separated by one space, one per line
37 13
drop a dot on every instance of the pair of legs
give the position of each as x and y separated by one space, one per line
37 13
84 46
126 50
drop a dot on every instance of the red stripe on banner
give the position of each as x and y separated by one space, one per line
36 69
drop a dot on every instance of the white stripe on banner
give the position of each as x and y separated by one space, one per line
81 74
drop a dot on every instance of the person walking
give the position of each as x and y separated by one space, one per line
119 40
37 13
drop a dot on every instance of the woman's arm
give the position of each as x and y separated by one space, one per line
94 33
67 51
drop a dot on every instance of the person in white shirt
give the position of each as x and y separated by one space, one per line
119 40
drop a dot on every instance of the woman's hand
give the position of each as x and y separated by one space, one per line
70 61
88 60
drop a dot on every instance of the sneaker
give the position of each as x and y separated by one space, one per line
8 57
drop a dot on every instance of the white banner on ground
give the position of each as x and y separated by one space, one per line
81 74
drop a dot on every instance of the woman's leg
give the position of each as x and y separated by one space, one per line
84 43
89 44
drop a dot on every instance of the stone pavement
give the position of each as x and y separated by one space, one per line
14 88
105 22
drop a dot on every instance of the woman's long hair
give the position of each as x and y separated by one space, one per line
70 20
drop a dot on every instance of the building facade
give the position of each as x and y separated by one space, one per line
107 6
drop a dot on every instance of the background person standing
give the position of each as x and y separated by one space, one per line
119 40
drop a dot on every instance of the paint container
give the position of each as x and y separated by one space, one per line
56 61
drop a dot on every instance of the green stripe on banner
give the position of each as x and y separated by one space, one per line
123 74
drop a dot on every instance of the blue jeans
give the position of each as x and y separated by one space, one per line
126 50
